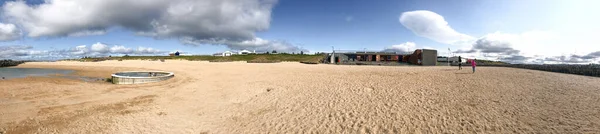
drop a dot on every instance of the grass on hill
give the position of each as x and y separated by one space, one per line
251 57
490 62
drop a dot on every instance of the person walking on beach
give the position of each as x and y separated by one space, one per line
473 64
459 63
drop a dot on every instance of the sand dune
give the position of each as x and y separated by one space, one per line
297 98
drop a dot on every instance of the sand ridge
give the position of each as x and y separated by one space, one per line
284 97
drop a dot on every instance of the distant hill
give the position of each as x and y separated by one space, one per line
251 57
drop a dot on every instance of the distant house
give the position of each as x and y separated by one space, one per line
226 53
177 53
243 52
230 53
425 57
261 52
451 59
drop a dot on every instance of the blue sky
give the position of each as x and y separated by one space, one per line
535 31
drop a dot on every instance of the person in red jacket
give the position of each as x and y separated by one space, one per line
473 64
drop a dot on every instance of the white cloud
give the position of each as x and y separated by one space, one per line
231 20
492 44
510 54
433 26
529 43
9 32
121 50
147 50
14 51
23 52
100 48
257 44
402 48
528 47
79 50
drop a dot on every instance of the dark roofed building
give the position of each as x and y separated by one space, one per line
426 57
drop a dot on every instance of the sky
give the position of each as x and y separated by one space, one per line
515 31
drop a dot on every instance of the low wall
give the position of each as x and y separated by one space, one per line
587 70
117 79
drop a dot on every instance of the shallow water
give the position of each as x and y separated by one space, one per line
9 73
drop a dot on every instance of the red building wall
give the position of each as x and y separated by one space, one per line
414 58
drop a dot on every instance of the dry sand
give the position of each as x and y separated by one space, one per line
297 98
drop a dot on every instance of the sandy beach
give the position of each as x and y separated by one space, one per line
236 97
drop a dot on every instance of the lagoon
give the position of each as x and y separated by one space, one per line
10 73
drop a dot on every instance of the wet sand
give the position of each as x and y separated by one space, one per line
298 98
